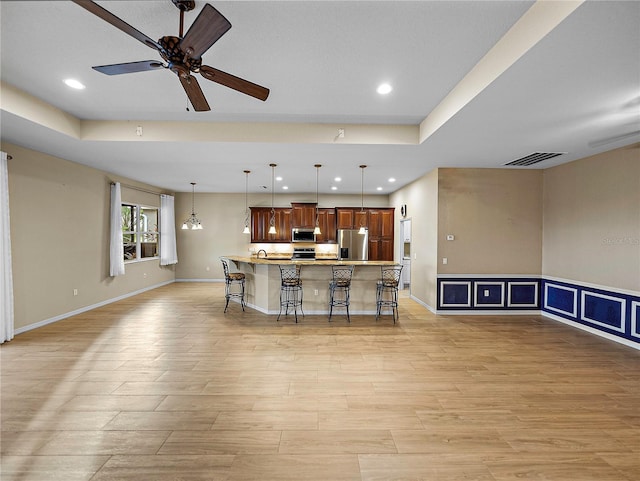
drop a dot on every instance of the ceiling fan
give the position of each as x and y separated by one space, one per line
182 54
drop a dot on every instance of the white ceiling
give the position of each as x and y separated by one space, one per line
573 91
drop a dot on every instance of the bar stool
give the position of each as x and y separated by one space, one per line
290 289
339 288
387 290
232 277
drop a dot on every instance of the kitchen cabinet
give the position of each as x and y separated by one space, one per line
381 234
352 218
381 223
327 223
380 249
344 218
303 215
260 223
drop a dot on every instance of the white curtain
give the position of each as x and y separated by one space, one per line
116 248
168 251
6 278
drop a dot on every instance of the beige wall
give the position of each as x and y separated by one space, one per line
421 199
222 217
59 236
592 220
495 216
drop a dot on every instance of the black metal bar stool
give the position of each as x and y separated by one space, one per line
387 290
232 277
339 288
290 290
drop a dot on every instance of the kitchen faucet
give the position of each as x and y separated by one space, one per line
262 250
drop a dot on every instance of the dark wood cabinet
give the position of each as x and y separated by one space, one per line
381 223
352 218
327 223
344 218
381 234
380 249
260 223
303 215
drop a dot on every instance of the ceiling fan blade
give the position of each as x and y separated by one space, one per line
194 92
236 83
207 28
130 67
109 17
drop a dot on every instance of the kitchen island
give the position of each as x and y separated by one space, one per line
262 290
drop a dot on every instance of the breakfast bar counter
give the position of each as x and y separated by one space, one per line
262 291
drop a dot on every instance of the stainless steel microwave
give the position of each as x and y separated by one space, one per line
302 235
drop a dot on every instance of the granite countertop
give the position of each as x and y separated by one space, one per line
320 261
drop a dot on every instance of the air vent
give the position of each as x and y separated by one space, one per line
534 158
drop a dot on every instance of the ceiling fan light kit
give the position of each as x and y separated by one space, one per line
182 54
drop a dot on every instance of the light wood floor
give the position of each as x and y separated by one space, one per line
164 386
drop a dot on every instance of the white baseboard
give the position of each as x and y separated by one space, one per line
87 308
591 330
199 280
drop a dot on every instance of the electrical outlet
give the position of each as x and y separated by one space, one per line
486 293
445 260
75 292
315 292
144 275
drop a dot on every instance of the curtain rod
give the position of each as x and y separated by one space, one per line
133 187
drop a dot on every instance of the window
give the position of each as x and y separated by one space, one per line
139 232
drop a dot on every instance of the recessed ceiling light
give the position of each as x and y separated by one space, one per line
333 187
74 84
384 89
279 178
378 188
338 179
285 187
392 179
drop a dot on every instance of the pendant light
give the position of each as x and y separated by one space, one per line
317 231
246 203
192 221
272 218
363 229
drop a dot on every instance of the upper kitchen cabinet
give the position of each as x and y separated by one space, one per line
260 223
303 215
327 223
344 218
381 223
352 218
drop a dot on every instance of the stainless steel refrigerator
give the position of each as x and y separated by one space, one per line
353 246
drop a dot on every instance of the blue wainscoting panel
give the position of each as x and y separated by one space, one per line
488 294
561 299
523 294
614 314
603 310
635 319
455 294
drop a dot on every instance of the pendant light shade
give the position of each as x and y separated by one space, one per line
272 218
192 221
363 229
316 230
246 203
